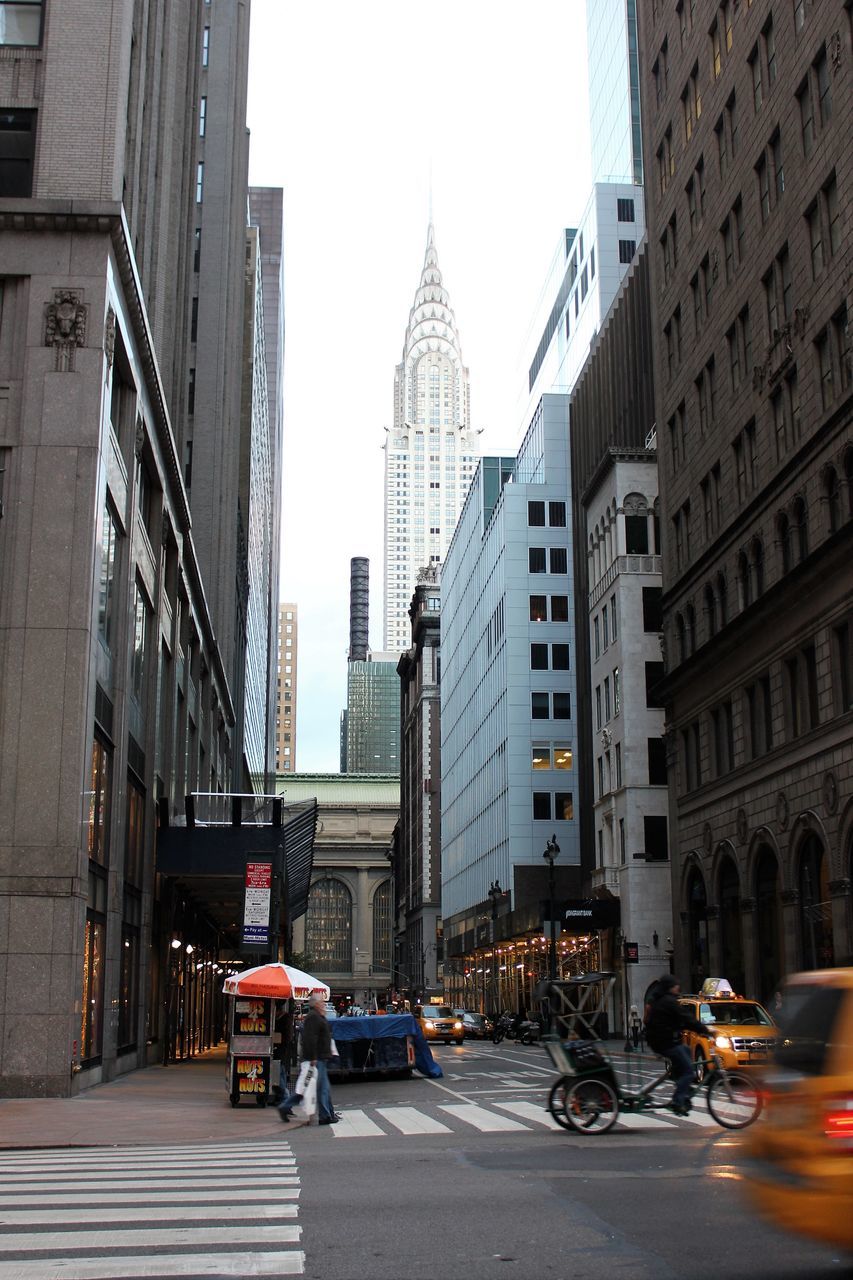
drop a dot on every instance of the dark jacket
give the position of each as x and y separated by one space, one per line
316 1037
666 1021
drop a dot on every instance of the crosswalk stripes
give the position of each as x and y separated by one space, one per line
117 1213
510 1116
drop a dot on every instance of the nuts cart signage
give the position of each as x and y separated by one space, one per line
256 909
252 1076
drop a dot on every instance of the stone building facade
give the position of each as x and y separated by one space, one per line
345 935
118 621
748 162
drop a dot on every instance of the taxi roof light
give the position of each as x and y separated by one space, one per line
717 989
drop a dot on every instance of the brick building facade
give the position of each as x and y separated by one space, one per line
748 156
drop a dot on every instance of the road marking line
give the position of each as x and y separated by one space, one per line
202 1195
167 1177
357 1124
144 1237
235 1169
529 1111
138 1184
61 1216
635 1120
278 1263
410 1120
479 1118
702 1118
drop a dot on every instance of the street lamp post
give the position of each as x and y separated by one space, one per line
551 851
495 895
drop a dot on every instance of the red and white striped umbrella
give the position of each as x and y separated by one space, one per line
275 982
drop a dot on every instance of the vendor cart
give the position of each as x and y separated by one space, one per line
251 1025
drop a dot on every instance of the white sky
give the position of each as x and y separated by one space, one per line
350 105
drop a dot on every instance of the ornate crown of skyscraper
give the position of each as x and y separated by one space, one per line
431 330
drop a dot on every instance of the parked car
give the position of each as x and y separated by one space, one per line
745 1032
438 1022
476 1025
799 1169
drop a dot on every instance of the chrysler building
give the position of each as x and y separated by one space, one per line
431 451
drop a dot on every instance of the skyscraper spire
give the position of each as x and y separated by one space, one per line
430 450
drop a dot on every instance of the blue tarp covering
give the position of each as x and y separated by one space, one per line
388 1026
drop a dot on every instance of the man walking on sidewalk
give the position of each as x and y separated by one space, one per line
316 1049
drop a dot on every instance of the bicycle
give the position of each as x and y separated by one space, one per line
589 1098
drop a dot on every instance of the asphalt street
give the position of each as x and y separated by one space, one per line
463 1178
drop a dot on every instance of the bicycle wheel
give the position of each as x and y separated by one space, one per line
591 1106
557 1100
733 1099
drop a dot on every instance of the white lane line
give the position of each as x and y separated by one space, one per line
64 1198
631 1120
168 1177
529 1111
357 1124
136 1184
479 1118
130 1152
60 1217
410 1120
703 1118
277 1263
218 1168
148 1237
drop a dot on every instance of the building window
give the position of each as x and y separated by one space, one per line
563 757
652 609
564 809
107 580
559 608
541 805
538 608
536 559
540 707
205 47
539 657
140 646
202 116
199 182
559 560
624 209
559 657
328 926
382 927
17 147
540 757
536 514
20 23
562 706
656 749
807 125
654 676
724 743
656 839
92 1005
627 249
755 74
557 515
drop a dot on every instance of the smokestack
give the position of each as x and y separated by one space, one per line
359 603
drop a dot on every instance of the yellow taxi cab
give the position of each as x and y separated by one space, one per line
745 1034
799 1169
438 1022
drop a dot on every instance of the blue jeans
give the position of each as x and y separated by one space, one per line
683 1072
324 1094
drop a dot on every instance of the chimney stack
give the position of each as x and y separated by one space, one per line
359 603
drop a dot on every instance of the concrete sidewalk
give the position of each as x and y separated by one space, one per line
184 1102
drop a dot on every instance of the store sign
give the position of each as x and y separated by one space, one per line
256 909
253 1076
251 1017
583 914
632 953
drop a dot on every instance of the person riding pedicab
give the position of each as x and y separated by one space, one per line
666 1019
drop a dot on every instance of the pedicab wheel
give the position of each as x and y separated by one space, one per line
733 1100
233 1098
591 1106
260 1100
557 1100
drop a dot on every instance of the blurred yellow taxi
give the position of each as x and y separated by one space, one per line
439 1022
745 1032
800 1159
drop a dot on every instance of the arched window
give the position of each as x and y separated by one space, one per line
768 922
711 610
731 936
328 926
723 599
832 492
744 583
697 928
756 555
382 927
800 523
636 525
783 532
815 907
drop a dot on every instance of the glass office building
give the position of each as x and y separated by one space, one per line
373 715
614 91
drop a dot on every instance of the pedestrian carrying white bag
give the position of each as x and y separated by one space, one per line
306 1087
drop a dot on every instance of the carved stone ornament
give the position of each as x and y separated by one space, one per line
830 793
783 813
65 326
835 51
110 337
839 888
707 837
742 826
